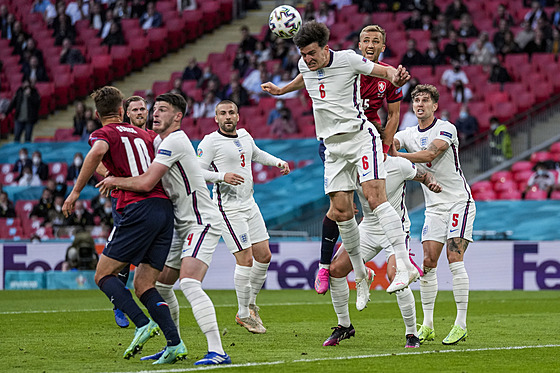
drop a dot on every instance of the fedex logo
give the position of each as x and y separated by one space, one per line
26 258
547 272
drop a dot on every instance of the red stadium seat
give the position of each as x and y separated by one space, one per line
536 194
157 38
8 179
501 176
193 24
102 69
46 91
485 195
140 52
502 186
521 166
521 177
481 186
6 168
510 195
226 10
555 195
161 86
505 110
177 33
555 148
540 157
64 90
82 79
122 63
211 16
57 169
24 207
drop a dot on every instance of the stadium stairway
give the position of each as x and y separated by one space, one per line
161 70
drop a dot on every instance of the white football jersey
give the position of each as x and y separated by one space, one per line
398 171
335 91
446 167
221 153
184 182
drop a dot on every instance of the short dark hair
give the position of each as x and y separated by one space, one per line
107 100
312 32
227 102
426 88
132 99
175 100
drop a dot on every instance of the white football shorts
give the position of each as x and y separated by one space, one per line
244 228
455 221
194 240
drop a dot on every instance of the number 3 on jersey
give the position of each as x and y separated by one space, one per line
242 160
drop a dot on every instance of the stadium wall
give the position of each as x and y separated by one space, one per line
492 265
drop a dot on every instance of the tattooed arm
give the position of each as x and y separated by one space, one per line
435 148
428 179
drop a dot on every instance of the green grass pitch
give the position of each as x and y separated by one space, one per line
74 331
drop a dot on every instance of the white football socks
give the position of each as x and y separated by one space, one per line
405 299
241 280
460 292
339 295
351 239
168 295
258 277
204 313
428 293
392 225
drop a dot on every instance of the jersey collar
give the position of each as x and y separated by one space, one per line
331 52
429 127
226 135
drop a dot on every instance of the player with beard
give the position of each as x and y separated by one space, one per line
198 224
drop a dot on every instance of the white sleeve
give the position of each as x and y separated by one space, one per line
447 132
206 153
407 168
360 64
169 152
264 158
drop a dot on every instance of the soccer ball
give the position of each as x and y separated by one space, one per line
284 21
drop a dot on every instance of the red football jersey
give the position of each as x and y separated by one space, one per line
131 151
374 90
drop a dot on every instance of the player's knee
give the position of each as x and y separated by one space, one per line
342 215
429 262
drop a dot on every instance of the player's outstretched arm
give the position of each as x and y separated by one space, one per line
428 179
296 84
142 183
92 160
398 77
284 167
393 117
435 148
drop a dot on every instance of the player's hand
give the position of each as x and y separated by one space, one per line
271 88
68 206
233 179
401 77
393 152
284 167
107 185
434 187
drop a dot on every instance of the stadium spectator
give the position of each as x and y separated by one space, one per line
70 56
190 107
40 6
408 88
534 14
137 8
120 10
500 35
499 142
205 109
502 14
115 36
498 73
96 16
509 45
34 70
63 29
108 21
81 216
41 209
30 49
461 93
408 119
18 38
525 35
55 217
325 14
466 27
6 22
177 88
262 52
28 179
56 188
467 125
7 209
433 55
555 15
287 78
308 12
339 4
241 62
238 94
186 5
74 169
481 50
445 115
252 83
248 42
81 255
22 161
451 49
541 179
284 124
275 113
442 27
38 167
412 56
414 22
427 24
456 9
553 45
192 71
207 75
538 44
152 18
455 73
430 9
105 213
26 102
77 10
214 87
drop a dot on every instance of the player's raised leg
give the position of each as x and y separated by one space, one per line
330 234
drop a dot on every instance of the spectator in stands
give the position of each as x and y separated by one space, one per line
442 27
412 56
70 56
502 14
239 94
115 36
538 44
408 87
524 36
18 38
28 179
190 107
287 78
433 55
325 14
445 115
41 209
241 62
91 125
481 50
74 169
409 119
63 29
22 161
430 9
207 75
414 22
136 9
214 87
152 18
463 55
192 71
308 12
466 27
7 22
96 16
206 108
500 35
186 5
34 70
427 24
26 102
7 209
339 4
252 83
177 88
555 15
498 73
553 45
541 179
105 213
284 124
456 9
451 49
40 6
455 73
499 142
248 42
38 167
509 45
29 50
119 10
3 18
461 93
108 21
467 125
534 14
55 217
56 188
262 52
81 216
77 10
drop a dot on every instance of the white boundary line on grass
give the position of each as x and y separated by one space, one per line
342 358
